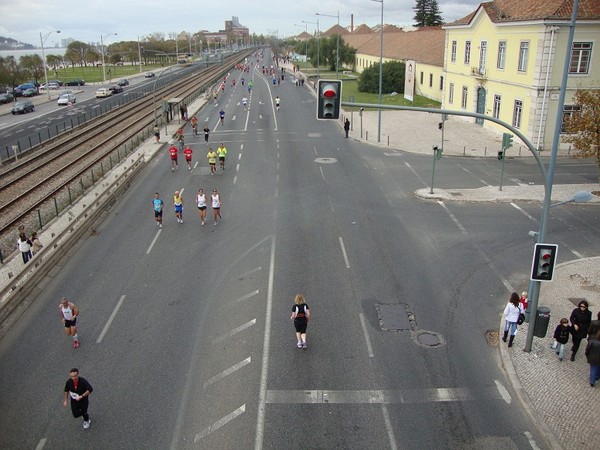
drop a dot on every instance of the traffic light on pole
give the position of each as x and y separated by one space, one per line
507 140
330 99
544 260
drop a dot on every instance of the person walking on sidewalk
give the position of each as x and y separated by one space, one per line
511 314
347 127
581 317
79 389
592 352
300 316
68 315
561 337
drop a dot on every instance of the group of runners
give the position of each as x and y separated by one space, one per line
201 202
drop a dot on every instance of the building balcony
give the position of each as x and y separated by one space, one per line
478 72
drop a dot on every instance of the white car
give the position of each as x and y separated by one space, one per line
51 86
103 92
66 99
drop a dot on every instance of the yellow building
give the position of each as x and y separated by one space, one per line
506 60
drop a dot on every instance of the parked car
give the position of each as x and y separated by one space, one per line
51 86
22 107
116 89
23 87
60 83
6 98
30 92
66 99
103 92
123 82
75 82
149 75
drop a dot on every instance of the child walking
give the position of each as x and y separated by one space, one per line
561 337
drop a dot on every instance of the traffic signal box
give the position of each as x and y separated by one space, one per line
544 260
330 99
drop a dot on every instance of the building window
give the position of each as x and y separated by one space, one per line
451 93
421 78
441 83
517 113
453 52
463 100
430 80
497 100
468 52
568 112
501 55
523 56
580 57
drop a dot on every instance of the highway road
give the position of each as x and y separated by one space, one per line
185 331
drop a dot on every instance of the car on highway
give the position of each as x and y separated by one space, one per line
30 92
22 107
116 89
75 82
149 75
123 82
66 99
103 92
6 98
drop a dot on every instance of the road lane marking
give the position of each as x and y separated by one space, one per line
344 252
250 272
228 372
234 331
503 392
453 217
532 442
41 444
110 319
219 423
363 323
153 242
247 296
518 208
322 174
389 428
262 397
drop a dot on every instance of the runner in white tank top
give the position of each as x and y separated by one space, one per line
201 199
216 205
68 315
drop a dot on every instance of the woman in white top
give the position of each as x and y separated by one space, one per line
511 314
201 199
216 205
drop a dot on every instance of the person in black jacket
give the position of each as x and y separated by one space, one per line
594 327
79 390
581 317
561 336
592 352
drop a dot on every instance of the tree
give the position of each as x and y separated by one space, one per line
427 13
583 126
392 78
32 65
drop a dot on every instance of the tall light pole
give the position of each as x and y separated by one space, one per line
305 45
318 46
102 46
380 68
42 40
337 51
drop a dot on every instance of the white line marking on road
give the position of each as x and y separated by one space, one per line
196 165
245 274
110 319
277 178
153 242
247 296
576 253
228 372
389 428
239 156
453 217
503 392
423 182
262 397
363 324
532 442
41 444
219 423
241 148
315 151
235 179
518 208
344 252
322 174
237 168
234 331
331 204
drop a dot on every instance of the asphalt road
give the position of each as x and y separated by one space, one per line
185 331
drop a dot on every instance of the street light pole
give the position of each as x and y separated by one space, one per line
42 40
102 47
318 46
380 69
337 51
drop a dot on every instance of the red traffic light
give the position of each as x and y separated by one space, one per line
329 92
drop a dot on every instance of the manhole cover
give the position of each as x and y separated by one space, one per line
428 339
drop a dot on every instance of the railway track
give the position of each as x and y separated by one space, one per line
48 178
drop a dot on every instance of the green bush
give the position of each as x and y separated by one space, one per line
392 78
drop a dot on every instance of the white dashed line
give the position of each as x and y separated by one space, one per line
228 372
219 423
110 319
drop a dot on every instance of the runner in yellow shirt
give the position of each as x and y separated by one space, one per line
222 152
212 160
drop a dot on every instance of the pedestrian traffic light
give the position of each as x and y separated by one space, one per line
507 140
440 125
329 100
544 260
501 155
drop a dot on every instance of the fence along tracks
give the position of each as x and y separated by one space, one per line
48 178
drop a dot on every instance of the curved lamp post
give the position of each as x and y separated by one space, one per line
42 40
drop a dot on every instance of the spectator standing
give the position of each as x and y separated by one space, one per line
581 317
594 326
36 244
511 314
79 390
347 127
592 352
24 245
523 301
156 131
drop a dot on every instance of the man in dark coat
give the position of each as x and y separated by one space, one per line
592 352
581 317
79 390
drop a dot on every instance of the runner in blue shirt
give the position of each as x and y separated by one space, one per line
158 209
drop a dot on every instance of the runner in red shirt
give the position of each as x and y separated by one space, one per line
173 153
188 156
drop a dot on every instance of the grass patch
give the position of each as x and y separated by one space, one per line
350 88
93 74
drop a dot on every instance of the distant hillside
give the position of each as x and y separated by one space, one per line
11 44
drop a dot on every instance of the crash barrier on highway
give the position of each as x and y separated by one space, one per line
27 283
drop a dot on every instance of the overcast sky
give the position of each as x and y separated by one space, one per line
87 20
